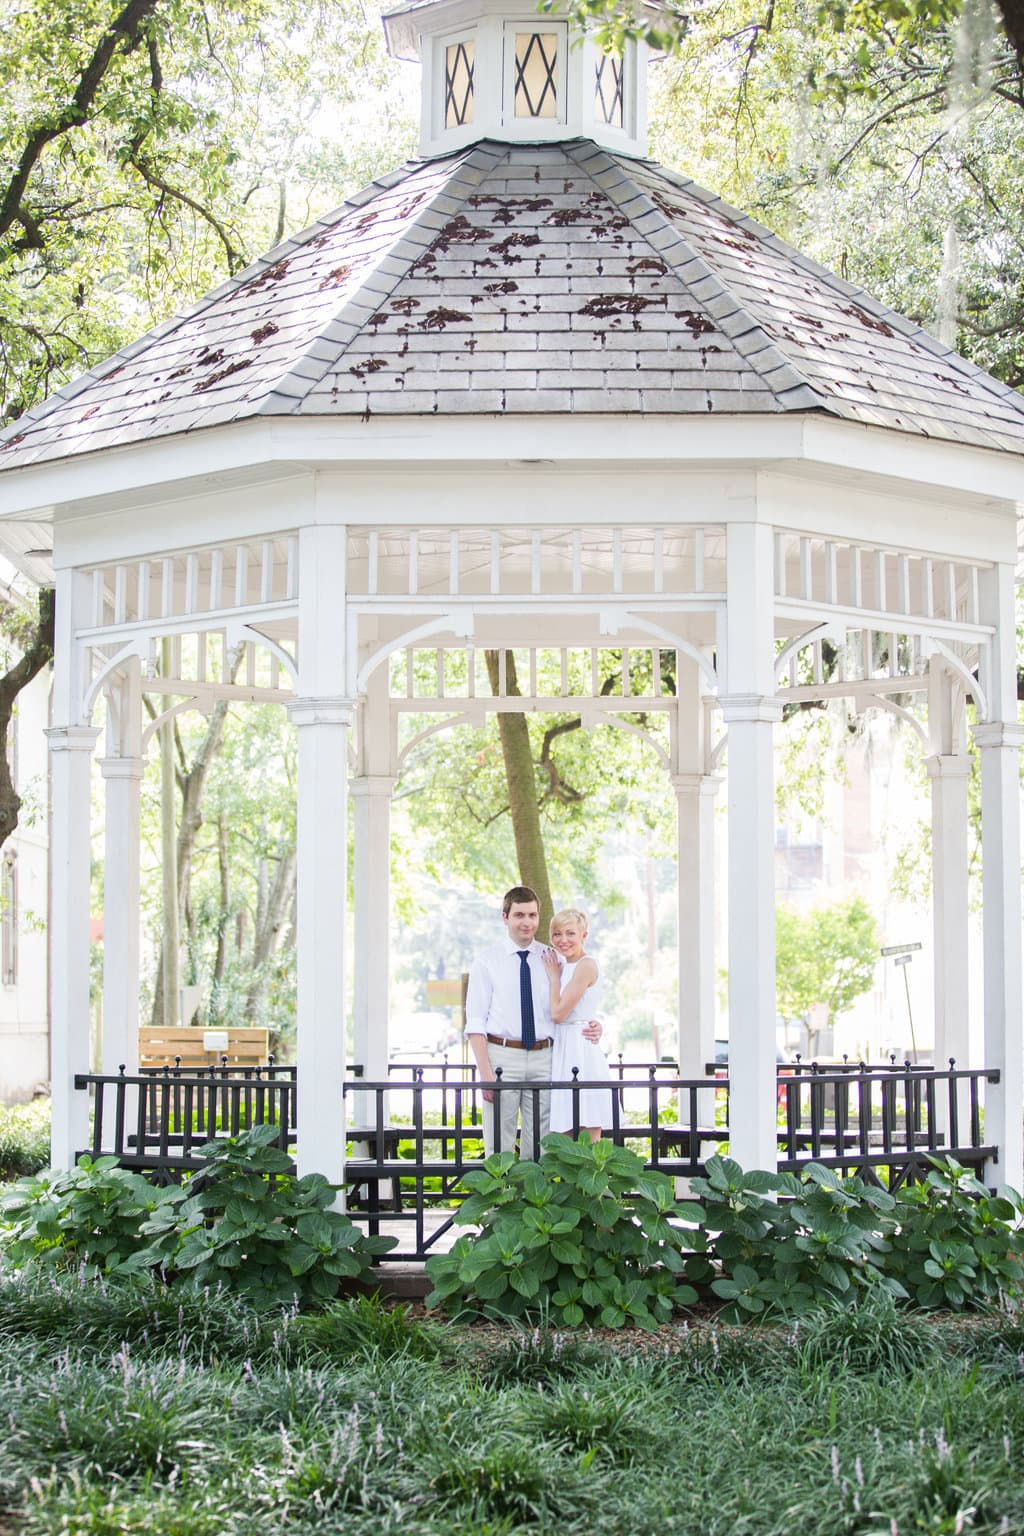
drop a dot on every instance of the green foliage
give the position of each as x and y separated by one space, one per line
872 1335
820 1243
784 1245
148 150
363 1328
89 1217
827 956
583 1236
588 1236
161 1430
24 1138
957 1245
245 1223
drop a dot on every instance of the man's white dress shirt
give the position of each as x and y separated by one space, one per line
493 996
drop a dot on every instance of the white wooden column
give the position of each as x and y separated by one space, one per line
999 741
371 806
71 747
371 797
949 774
122 770
750 710
323 715
695 789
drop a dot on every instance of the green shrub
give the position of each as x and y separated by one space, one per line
24 1138
822 1241
245 1223
583 1236
91 1216
956 1245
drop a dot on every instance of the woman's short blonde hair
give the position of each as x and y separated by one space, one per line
569 915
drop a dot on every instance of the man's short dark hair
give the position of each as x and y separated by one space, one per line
518 896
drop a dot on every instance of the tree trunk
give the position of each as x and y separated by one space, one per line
521 777
276 906
224 868
191 782
38 654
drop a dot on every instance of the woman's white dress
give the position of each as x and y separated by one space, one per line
571 1050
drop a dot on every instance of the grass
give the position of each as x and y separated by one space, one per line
128 1409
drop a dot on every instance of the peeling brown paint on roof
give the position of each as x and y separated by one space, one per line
553 278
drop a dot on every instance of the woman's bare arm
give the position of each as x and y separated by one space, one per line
563 1003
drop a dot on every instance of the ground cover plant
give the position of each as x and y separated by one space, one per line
130 1407
589 1235
245 1223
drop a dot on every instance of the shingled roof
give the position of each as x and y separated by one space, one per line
503 279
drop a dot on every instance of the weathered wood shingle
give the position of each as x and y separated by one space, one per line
522 279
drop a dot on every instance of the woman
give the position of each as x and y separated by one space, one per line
575 998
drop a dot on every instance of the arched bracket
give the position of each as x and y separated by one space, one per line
457 621
237 635
135 648
880 701
592 717
459 717
930 646
612 621
168 714
828 630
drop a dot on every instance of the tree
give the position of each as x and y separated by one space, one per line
828 956
32 636
570 784
236 864
148 148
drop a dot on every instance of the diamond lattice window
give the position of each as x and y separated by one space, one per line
608 90
458 83
536 94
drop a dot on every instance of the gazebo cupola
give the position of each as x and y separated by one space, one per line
495 69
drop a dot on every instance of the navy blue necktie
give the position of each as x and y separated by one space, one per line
526 999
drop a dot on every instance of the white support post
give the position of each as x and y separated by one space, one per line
371 803
71 748
750 710
949 774
999 740
695 789
695 832
122 770
323 716
949 768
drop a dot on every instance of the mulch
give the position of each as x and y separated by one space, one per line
683 1332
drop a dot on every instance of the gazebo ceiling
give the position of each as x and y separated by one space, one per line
545 279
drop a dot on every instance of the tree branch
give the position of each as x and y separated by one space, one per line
123 29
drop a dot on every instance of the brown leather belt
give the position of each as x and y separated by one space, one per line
517 1045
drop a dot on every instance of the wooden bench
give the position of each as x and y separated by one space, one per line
160 1047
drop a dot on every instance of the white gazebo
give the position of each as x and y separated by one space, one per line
530 391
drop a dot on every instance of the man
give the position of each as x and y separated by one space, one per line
508 1025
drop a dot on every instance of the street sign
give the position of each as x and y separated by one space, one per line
899 949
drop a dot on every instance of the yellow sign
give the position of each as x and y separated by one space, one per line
446 993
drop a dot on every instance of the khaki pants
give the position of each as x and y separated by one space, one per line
527 1071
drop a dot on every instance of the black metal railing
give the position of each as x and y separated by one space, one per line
411 1139
157 1119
